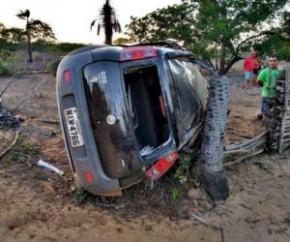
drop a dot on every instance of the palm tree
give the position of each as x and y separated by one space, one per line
107 20
25 16
34 29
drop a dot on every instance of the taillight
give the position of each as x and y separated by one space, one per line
160 167
67 76
136 53
88 177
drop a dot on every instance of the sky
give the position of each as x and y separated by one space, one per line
70 20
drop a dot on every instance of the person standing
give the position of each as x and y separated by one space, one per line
267 80
248 67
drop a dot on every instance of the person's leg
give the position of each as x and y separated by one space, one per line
248 78
254 80
263 108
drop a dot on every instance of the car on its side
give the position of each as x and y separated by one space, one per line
127 112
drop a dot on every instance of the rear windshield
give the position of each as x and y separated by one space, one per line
191 90
184 71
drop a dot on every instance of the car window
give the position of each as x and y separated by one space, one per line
191 90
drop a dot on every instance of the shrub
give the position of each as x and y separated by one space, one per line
6 62
5 68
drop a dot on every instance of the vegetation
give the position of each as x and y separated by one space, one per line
175 194
80 195
34 29
220 30
107 20
278 43
5 62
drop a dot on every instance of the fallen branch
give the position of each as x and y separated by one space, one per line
229 152
258 140
199 219
243 158
214 227
10 146
48 121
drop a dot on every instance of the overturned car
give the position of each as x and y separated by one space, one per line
127 112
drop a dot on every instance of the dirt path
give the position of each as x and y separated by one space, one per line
38 205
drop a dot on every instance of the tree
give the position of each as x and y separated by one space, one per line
212 29
107 20
2 27
173 22
34 29
122 41
13 35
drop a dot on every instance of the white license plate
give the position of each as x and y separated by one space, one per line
73 127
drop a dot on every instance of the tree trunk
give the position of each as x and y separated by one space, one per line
229 65
223 57
108 40
210 170
29 49
108 24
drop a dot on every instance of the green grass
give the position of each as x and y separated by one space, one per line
30 149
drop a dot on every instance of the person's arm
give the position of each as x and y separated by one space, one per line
262 78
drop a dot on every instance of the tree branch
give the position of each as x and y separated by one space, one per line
252 37
229 65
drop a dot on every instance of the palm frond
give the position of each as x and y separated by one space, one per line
27 13
92 24
99 29
118 26
23 14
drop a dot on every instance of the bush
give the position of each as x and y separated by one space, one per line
5 68
6 62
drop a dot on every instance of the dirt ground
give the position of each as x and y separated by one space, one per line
39 205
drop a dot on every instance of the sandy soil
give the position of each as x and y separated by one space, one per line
38 205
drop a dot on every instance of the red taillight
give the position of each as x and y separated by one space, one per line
136 53
67 76
88 177
161 166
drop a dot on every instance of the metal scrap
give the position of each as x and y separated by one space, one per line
50 167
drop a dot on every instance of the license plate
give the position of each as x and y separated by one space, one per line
73 127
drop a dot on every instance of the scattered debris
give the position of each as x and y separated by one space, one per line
241 159
250 146
50 167
199 219
48 121
146 150
7 120
214 227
